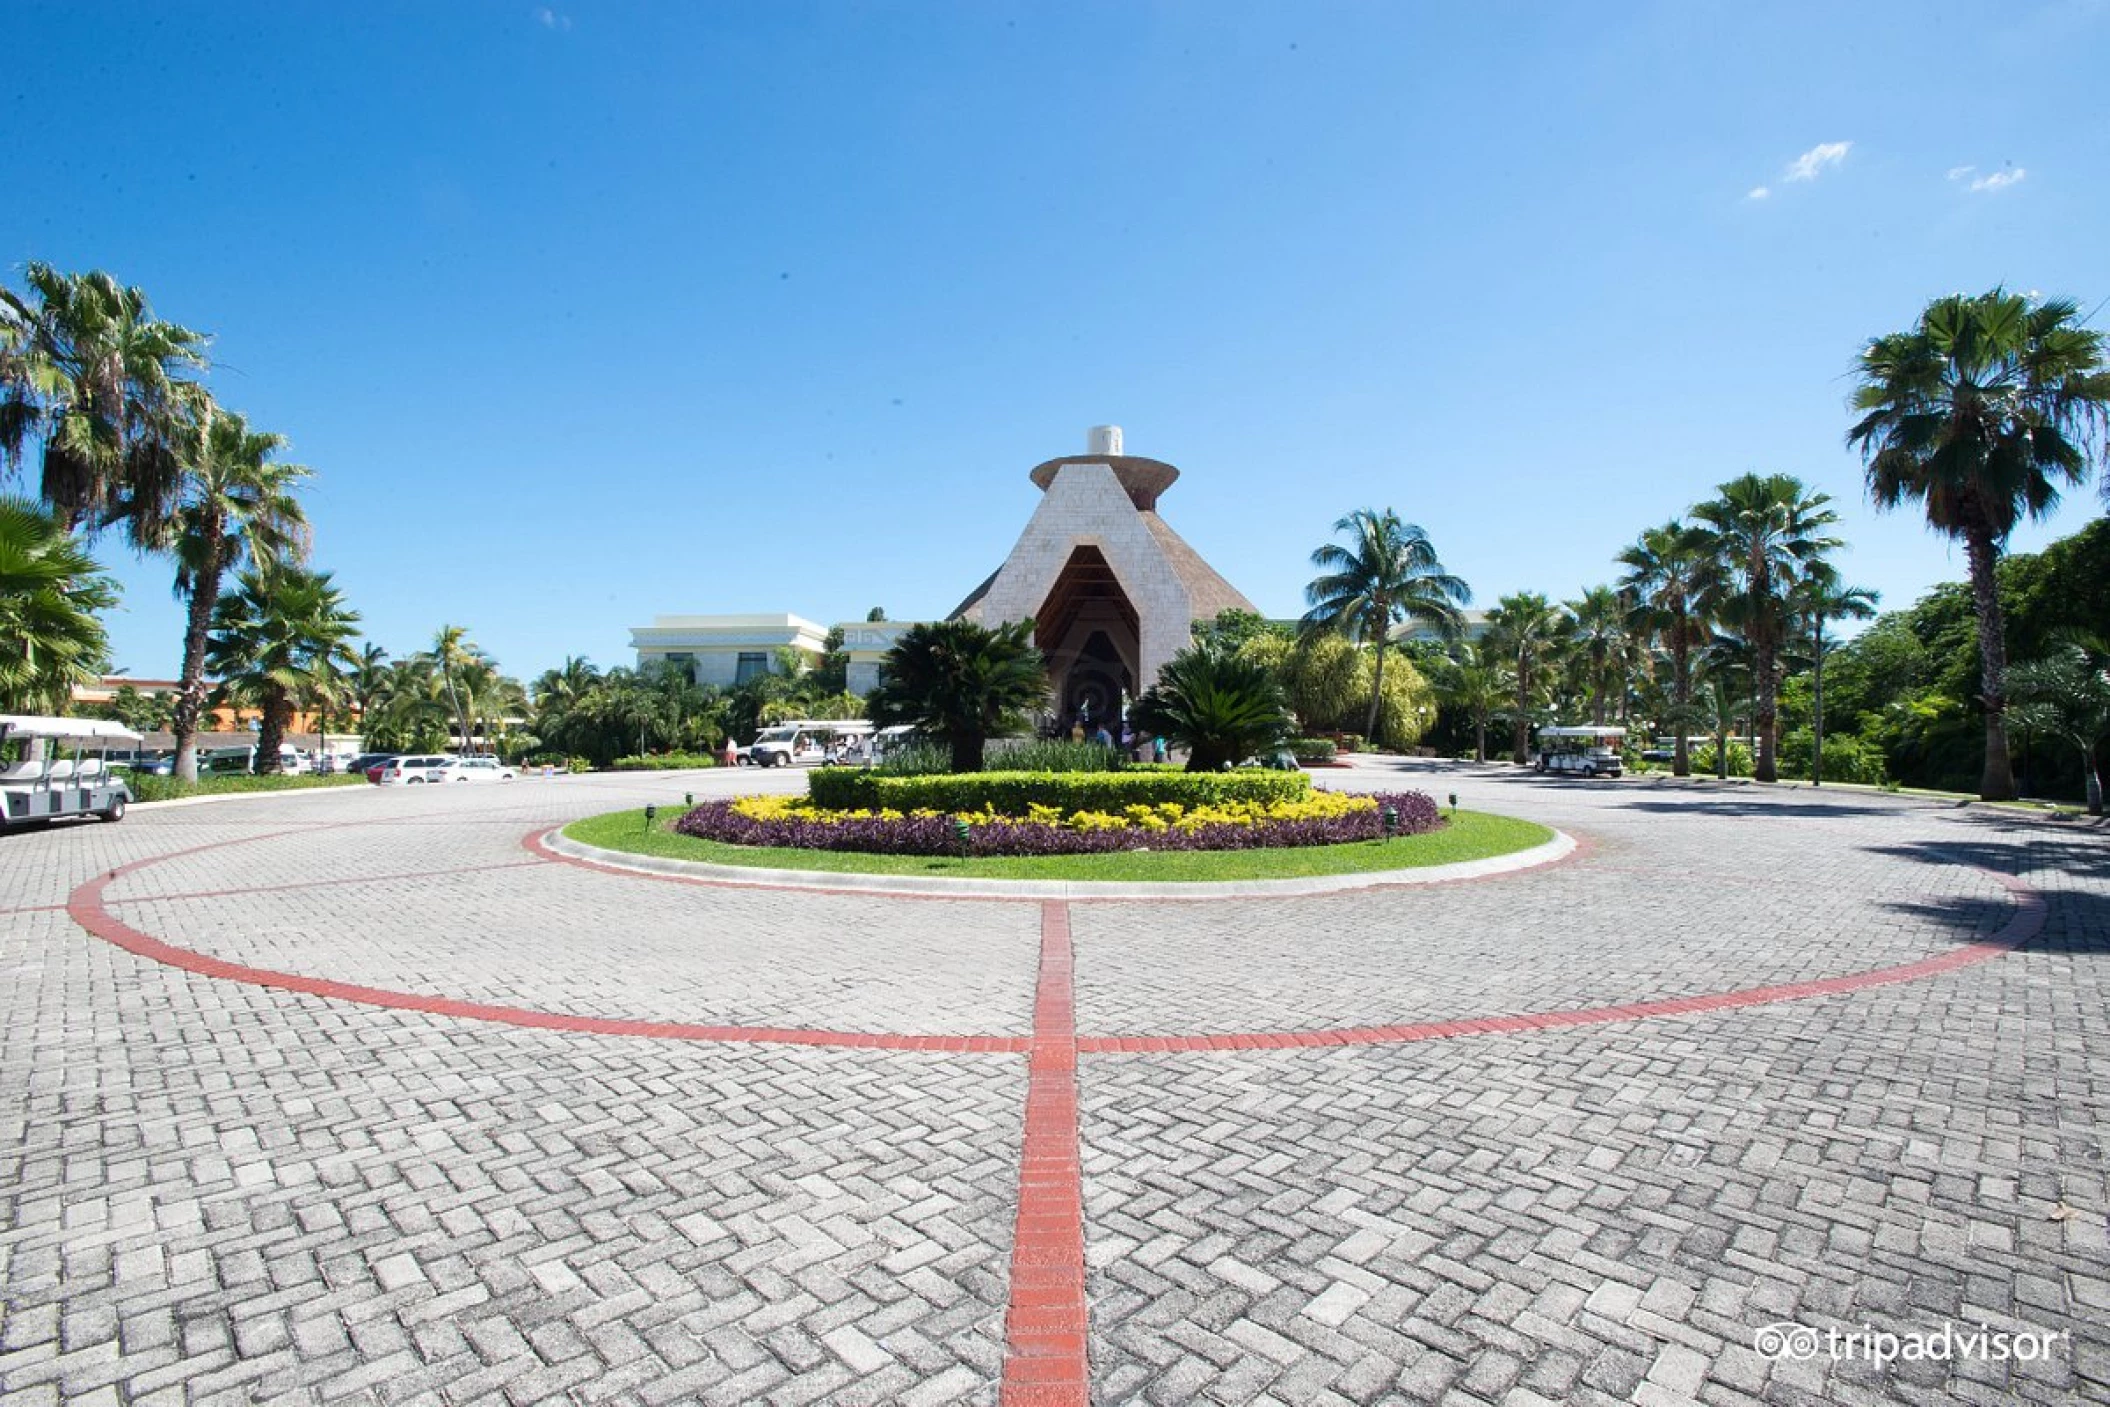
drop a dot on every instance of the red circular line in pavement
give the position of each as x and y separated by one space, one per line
2026 923
88 908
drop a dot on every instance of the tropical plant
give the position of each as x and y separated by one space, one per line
963 683
1767 530
234 504
91 376
1599 623
1477 683
2067 696
1981 413
1671 571
269 640
1526 631
1818 600
1220 706
140 711
51 637
1387 575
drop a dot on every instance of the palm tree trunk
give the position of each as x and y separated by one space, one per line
966 753
1520 726
1681 683
1817 705
1997 783
271 732
190 691
1377 689
2092 773
1480 739
1765 709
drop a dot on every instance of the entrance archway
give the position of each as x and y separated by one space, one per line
1088 629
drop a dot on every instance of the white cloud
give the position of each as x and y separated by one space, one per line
550 19
1957 173
1757 193
1999 179
1816 160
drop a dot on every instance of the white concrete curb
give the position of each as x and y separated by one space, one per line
237 796
1558 848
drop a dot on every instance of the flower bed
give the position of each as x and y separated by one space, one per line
1014 793
1318 818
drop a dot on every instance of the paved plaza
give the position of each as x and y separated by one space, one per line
360 1096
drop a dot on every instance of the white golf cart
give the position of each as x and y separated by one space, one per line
52 767
1581 752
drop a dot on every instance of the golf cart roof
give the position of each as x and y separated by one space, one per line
1582 732
25 725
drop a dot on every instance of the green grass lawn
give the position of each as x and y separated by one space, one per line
1471 835
148 788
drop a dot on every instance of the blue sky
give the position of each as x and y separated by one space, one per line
594 312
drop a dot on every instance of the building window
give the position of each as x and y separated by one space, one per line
684 662
753 664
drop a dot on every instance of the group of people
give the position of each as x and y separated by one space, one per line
1131 742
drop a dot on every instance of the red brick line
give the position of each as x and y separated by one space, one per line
1045 1360
33 909
321 883
2027 922
88 908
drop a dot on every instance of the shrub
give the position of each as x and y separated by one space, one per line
1221 707
1053 755
559 761
1313 749
145 786
920 758
1703 759
666 762
1359 819
1014 793
1847 758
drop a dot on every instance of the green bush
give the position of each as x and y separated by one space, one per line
1011 793
1313 749
146 787
1053 755
920 758
1703 759
558 760
1847 758
666 762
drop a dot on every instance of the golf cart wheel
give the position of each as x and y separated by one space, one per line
115 811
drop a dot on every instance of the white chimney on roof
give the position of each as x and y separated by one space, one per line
1103 439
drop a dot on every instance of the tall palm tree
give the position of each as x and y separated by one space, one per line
1818 600
269 641
1478 683
1767 530
235 504
1526 630
51 635
453 651
1672 570
98 382
369 681
962 682
1981 413
1600 630
1387 575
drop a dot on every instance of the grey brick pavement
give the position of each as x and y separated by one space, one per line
216 1193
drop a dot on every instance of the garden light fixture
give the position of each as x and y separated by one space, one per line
651 815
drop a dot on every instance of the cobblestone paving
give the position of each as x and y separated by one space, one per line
214 1192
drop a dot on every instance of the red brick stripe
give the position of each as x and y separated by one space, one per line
2027 922
1045 1364
88 908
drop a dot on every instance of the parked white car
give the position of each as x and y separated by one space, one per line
473 769
412 770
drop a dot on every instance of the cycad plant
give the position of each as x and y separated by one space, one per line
1222 707
963 683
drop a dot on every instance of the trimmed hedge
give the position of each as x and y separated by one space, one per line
1313 749
147 787
667 762
1011 793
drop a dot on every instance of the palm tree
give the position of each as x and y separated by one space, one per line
1671 571
1766 531
97 380
1222 707
270 640
369 681
1599 625
1526 631
1387 575
51 636
2068 696
963 682
1819 600
1982 413
235 503
452 651
1478 683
